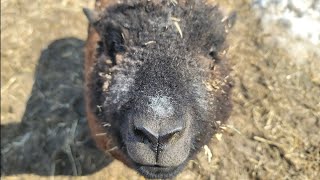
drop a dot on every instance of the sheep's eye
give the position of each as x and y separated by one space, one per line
113 40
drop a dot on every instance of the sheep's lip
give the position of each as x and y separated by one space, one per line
157 172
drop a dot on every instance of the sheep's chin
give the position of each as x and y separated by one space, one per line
158 172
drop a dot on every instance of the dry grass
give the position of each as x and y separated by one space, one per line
274 129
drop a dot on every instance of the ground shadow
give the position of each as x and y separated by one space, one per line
53 137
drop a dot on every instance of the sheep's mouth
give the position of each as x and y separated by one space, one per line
159 172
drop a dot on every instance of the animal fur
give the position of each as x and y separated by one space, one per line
156 60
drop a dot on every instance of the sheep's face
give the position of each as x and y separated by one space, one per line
160 84
163 111
161 108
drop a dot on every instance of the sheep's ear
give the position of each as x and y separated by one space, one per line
91 15
229 20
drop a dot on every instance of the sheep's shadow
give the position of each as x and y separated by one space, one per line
53 137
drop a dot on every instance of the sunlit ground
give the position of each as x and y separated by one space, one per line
273 132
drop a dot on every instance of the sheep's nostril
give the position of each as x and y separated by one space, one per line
170 134
166 138
146 135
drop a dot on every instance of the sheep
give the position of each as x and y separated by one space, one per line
157 81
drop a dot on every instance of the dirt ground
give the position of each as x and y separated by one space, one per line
273 133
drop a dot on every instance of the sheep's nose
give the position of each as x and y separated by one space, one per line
154 136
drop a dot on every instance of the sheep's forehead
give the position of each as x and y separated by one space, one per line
161 106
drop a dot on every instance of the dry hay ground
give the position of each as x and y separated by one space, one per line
273 132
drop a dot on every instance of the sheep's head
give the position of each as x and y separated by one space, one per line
160 84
